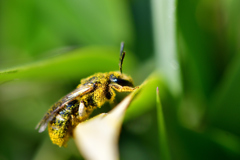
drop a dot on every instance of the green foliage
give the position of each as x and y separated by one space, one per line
189 49
163 139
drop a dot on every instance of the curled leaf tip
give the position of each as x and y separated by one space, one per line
97 138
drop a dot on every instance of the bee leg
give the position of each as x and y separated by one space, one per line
120 88
111 97
82 110
73 120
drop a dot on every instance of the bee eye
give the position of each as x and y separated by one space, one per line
121 82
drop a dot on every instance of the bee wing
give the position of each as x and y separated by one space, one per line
78 92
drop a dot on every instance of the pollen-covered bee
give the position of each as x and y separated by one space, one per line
77 106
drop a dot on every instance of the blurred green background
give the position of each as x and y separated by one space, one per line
189 49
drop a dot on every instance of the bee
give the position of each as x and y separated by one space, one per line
77 106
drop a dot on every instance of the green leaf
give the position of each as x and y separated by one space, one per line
164 149
84 62
145 100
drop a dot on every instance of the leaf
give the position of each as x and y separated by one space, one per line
145 100
164 149
84 61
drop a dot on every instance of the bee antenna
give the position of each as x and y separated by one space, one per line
122 55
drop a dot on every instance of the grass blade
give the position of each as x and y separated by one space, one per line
164 150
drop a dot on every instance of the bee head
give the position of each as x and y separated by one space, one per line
121 79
